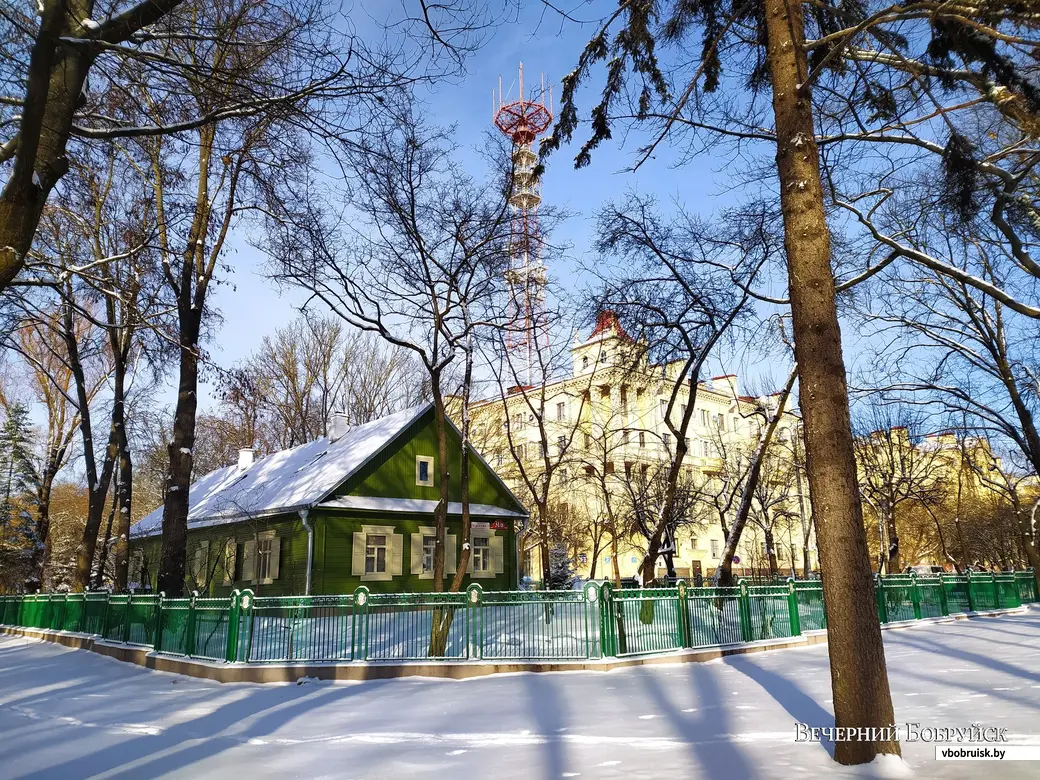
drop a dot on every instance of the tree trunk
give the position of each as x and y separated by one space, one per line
543 538
859 677
124 495
42 554
774 568
97 481
895 558
181 447
1028 526
99 574
724 572
55 79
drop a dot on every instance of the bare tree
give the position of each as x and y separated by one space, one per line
419 261
965 356
895 469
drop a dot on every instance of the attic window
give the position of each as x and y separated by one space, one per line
423 471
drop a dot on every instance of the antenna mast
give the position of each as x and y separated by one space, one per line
523 120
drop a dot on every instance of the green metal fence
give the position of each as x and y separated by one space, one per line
598 621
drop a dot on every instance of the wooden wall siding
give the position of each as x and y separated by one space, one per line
392 471
333 544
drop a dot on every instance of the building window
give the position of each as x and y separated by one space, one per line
563 476
585 362
481 554
664 409
424 471
588 441
263 558
642 438
561 411
608 467
375 553
429 545
561 444
628 470
704 417
693 543
624 436
498 459
714 548
624 401
668 442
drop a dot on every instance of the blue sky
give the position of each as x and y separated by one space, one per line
253 307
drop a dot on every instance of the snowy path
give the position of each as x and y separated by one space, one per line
73 714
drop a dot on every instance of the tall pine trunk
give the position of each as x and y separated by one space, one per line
859 677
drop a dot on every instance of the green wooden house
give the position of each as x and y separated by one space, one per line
354 508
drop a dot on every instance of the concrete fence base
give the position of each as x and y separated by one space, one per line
455 670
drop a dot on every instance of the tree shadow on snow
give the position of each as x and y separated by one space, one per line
707 732
548 709
798 704
202 738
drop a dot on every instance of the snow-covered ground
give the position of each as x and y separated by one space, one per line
73 714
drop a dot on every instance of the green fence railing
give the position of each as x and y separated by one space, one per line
596 622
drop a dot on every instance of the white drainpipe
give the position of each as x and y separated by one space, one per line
310 549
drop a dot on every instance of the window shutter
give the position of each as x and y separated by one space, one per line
276 554
249 560
229 561
396 550
498 554
357 566
202 564
450 554
417 554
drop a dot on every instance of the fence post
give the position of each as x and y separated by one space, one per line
474 612
231 648
915 595
157 630
684 615
996 591
792 606
247 603
744 603
882 603
126 620
104 615
607 629
971 596
359 625
593 612
189 626
944 606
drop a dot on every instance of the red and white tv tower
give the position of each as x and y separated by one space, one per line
523 120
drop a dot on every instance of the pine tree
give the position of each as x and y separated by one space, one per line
561 569
18 482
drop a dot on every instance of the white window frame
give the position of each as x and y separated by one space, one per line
260 558
428 460
386 531
490 572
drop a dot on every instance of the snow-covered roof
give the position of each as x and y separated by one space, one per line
425 506
286 480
